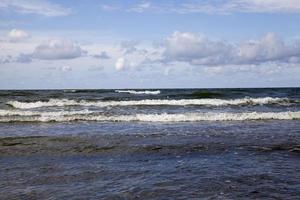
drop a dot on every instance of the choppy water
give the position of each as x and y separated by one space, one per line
150 144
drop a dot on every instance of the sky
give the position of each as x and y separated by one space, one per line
52 44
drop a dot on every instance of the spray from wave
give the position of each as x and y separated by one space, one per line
151 102
164 117
151 92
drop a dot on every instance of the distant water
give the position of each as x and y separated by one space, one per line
150 144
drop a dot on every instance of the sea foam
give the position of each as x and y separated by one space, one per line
152 92
163 117
6 113
151 102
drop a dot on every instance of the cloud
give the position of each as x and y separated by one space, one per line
195 49
200 50
141 7
21 58
168 71
16 35
66 69
102 55
252 69
129 47
38 7
24 58
120 64
239 6
6 59
261 6
212 6
55 49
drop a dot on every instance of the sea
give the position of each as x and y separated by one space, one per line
239 143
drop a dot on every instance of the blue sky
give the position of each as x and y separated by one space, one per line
149 44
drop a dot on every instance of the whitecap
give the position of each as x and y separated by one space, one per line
164 117
151 102
150 92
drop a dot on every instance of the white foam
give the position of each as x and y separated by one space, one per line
7 113
152 92
38 104
150 102
184 117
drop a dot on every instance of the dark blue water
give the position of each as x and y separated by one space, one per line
150 144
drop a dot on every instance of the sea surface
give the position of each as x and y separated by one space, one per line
150 144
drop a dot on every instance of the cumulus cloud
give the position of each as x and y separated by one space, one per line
268 48
200 50
16 35
39 7
120 64
58 49
195 49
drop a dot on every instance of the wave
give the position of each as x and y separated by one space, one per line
151 102
7 113
164 117
152 92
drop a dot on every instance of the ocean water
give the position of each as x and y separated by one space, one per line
150 144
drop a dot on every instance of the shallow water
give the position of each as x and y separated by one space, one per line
150 159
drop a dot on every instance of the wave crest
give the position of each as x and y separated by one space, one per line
152 92
164 117
151 102
7 113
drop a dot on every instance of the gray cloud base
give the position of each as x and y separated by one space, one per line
58 49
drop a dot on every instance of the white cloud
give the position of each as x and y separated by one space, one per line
16 35
249 69
140 7
58 49
239 6
39 7
199 50
66 68
214 6
189 47
262 6
120 64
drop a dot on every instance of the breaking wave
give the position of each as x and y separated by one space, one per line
7 113
152 92
164 117
151 102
